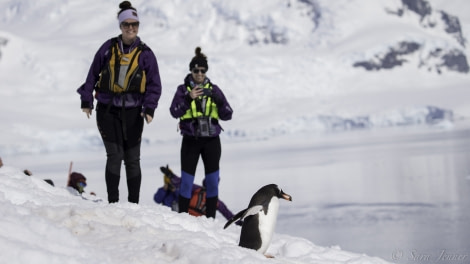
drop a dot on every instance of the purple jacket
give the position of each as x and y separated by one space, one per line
147 60
182 102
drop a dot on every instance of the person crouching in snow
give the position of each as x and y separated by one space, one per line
76 183
76 186
168 195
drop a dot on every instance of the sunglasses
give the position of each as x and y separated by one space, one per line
128 24
196 71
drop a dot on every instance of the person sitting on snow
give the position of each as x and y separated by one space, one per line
168 195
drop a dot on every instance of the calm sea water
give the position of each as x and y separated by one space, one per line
403 197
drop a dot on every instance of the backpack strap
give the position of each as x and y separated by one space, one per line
117 64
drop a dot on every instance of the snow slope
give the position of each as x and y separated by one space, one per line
45 224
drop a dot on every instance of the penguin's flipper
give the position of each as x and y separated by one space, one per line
244 213
235 218
252 211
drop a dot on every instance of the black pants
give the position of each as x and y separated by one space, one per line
208 148
121 131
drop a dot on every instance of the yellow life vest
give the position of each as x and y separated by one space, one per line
210 108
123 73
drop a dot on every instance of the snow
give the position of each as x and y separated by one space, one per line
45 224
286 68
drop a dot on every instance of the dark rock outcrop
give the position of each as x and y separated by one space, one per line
438 59
424 10
393 58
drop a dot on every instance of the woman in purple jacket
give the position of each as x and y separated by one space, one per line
200 105
126 80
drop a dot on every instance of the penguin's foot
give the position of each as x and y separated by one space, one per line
268 256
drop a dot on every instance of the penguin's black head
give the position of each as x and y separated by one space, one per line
264 195
278 192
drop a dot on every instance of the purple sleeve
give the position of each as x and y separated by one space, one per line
225 110
224 210
86 90
153 88
159 195
165 197
180 103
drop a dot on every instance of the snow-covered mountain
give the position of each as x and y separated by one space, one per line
307 54
433 55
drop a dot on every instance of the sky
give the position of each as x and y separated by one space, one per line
286 69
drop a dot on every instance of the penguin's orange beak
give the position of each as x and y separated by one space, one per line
285 196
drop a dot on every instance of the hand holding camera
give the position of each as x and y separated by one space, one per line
206 92
199 91
196 92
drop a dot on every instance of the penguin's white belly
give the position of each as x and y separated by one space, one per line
267 223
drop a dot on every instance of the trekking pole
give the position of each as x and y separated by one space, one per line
70 171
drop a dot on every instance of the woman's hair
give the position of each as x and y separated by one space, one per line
200 60
124 5
127 12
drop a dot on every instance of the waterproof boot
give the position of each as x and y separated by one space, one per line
183 204
211 206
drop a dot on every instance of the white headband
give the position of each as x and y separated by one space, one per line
128 14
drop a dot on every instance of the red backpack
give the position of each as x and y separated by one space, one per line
197 204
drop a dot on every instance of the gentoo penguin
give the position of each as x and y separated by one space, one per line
259 219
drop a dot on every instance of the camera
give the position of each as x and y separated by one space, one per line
203 126
207 92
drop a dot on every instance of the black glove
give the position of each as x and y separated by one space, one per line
217 100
